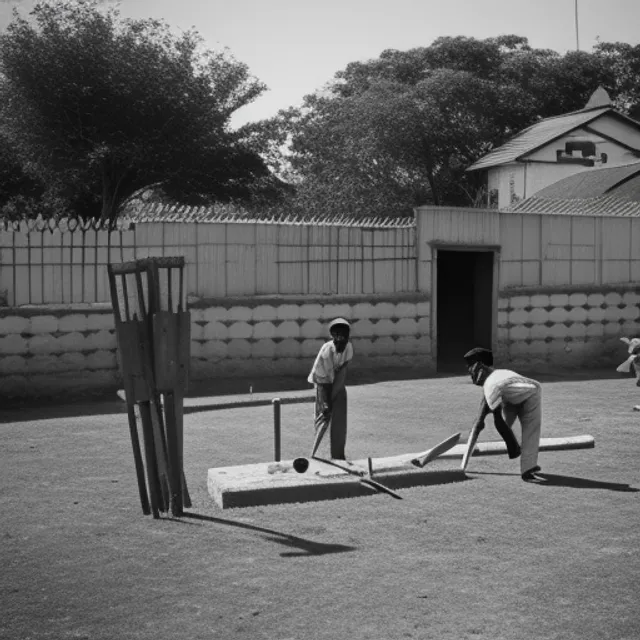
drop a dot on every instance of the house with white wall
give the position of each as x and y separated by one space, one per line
554 148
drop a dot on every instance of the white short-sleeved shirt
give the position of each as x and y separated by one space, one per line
503 385
327 362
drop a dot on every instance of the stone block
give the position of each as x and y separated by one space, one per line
423 308
503 318
239 314
43 324
215 314
538 315
518 316
539 332
240 329
628 298
264 313
630 313
363 347
578 314
333 311
406 310
288 312
519 302
264 330
197 349
558 299
558 314
577 330
578 299
595 299
363 329
519 332
595 314
239 348
612 329
612 314
310 311
101 340
595 330
13 324
288 348
288 329
73 322
406 327
73 341
383 310
612 298
362 311
384 346
539 300
504 303
43 344
313 329
385 327
216 349
264 348
215 331
558 331
424 326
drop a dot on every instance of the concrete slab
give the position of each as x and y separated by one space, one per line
277 482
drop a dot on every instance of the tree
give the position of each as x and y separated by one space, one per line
399 131
98 107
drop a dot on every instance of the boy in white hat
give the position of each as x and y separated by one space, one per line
328 374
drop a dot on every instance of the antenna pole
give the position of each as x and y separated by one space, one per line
577 34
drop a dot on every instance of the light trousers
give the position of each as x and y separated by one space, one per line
527 408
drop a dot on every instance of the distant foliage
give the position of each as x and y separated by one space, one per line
94 107
399 131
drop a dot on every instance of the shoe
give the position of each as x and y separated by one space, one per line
530 475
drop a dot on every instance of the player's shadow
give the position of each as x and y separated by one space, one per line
300 546
553 480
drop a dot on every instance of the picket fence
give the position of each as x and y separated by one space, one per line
64 261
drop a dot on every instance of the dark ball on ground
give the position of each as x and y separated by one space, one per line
300 465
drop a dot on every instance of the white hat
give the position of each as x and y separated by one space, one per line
338 321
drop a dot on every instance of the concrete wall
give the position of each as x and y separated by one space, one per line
54 351
572 329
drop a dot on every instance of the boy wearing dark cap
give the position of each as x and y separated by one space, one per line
328 374
508 395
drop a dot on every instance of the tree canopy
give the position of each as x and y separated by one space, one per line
399 131
95 107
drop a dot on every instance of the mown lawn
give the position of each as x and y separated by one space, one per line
488 558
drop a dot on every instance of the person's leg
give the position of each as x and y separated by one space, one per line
530 415
322 415
339 425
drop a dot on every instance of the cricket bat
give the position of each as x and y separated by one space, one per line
431 454
471 444
359 473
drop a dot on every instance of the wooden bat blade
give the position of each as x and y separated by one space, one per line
471 445
438 450
380 488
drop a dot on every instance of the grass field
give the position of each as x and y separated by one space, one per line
486 558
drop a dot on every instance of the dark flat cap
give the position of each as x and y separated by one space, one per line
479 355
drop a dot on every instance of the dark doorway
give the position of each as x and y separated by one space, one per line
464 305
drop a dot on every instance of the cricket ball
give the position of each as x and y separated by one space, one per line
300 465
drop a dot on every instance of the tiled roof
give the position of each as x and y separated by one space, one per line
538 135
155 212
614 191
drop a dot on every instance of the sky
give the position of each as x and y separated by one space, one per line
296 46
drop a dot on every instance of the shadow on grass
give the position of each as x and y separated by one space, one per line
304 547
574 482
553 480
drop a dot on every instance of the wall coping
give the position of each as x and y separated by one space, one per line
533 290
